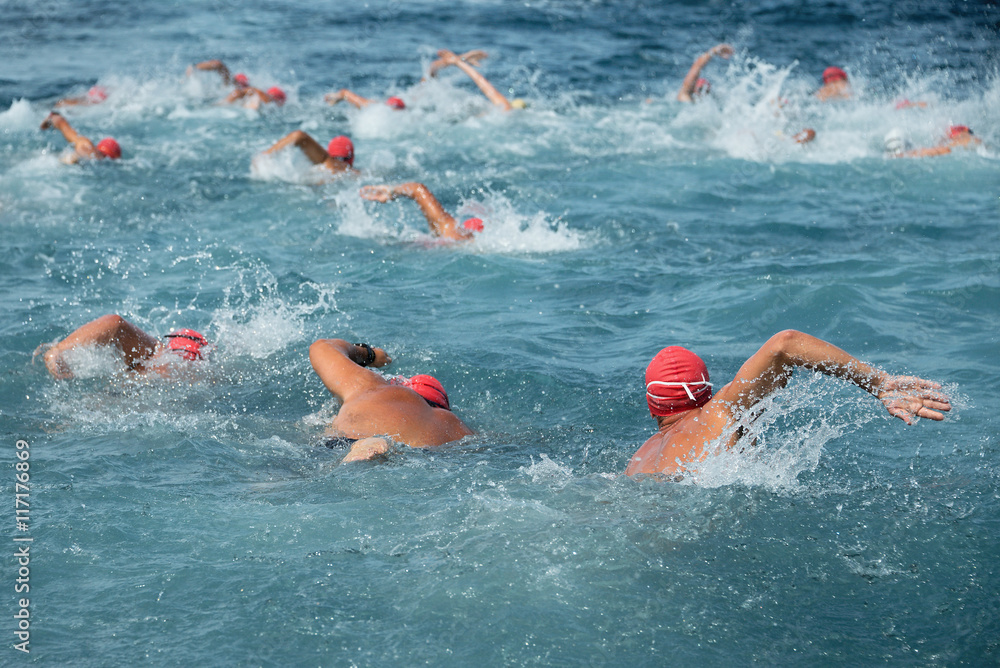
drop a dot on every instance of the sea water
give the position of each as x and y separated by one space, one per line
200 522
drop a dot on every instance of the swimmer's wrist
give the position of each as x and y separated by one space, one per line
369 358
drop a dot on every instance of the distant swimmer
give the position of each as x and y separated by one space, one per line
344 95
835 85
441 223
689 418
254 97
83 148
240 80
959 136
693 86
142 352
338 157
413 411
446 58
96 95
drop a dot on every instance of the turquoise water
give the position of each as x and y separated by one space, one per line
174 524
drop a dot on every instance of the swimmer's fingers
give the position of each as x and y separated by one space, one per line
376 193
908 407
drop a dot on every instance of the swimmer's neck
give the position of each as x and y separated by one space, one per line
665 423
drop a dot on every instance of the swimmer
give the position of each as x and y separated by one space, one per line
254 97
835 85
344 95
689 418
446 57
338 157
440 222
412 411
959 136
693 86
240 80
83 148
142 351
95 95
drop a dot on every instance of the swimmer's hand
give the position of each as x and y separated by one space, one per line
47 123
381 358
378 193
722 51
909 397
805 136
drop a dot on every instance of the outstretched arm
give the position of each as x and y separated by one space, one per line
494 96
473 58
110 330
770 368
686 92
344 95
212 66
441 223
341 366
83 146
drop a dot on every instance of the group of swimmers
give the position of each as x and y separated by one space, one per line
378 411
836 87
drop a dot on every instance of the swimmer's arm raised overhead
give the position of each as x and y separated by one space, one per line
441 223
345 95
494 96
686 93
473 57
341 366
770 368
84 147
211 66
109 330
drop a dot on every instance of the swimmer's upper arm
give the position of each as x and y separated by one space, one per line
766 371
331 361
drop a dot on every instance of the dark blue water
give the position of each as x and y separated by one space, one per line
175 524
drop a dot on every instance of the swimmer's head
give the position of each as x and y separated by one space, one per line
97 94
518 103
241 80
187 343
428 387
895 141
676 381
395 103
109 148
832 74
277 94
473 224
957 131
341 148
702 87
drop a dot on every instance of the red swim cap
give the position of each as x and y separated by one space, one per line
956 130
97 94
187 343
395 103
430 388
109 148
277 94
241 80
473 224
676 381
702 86
834 74
341 147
